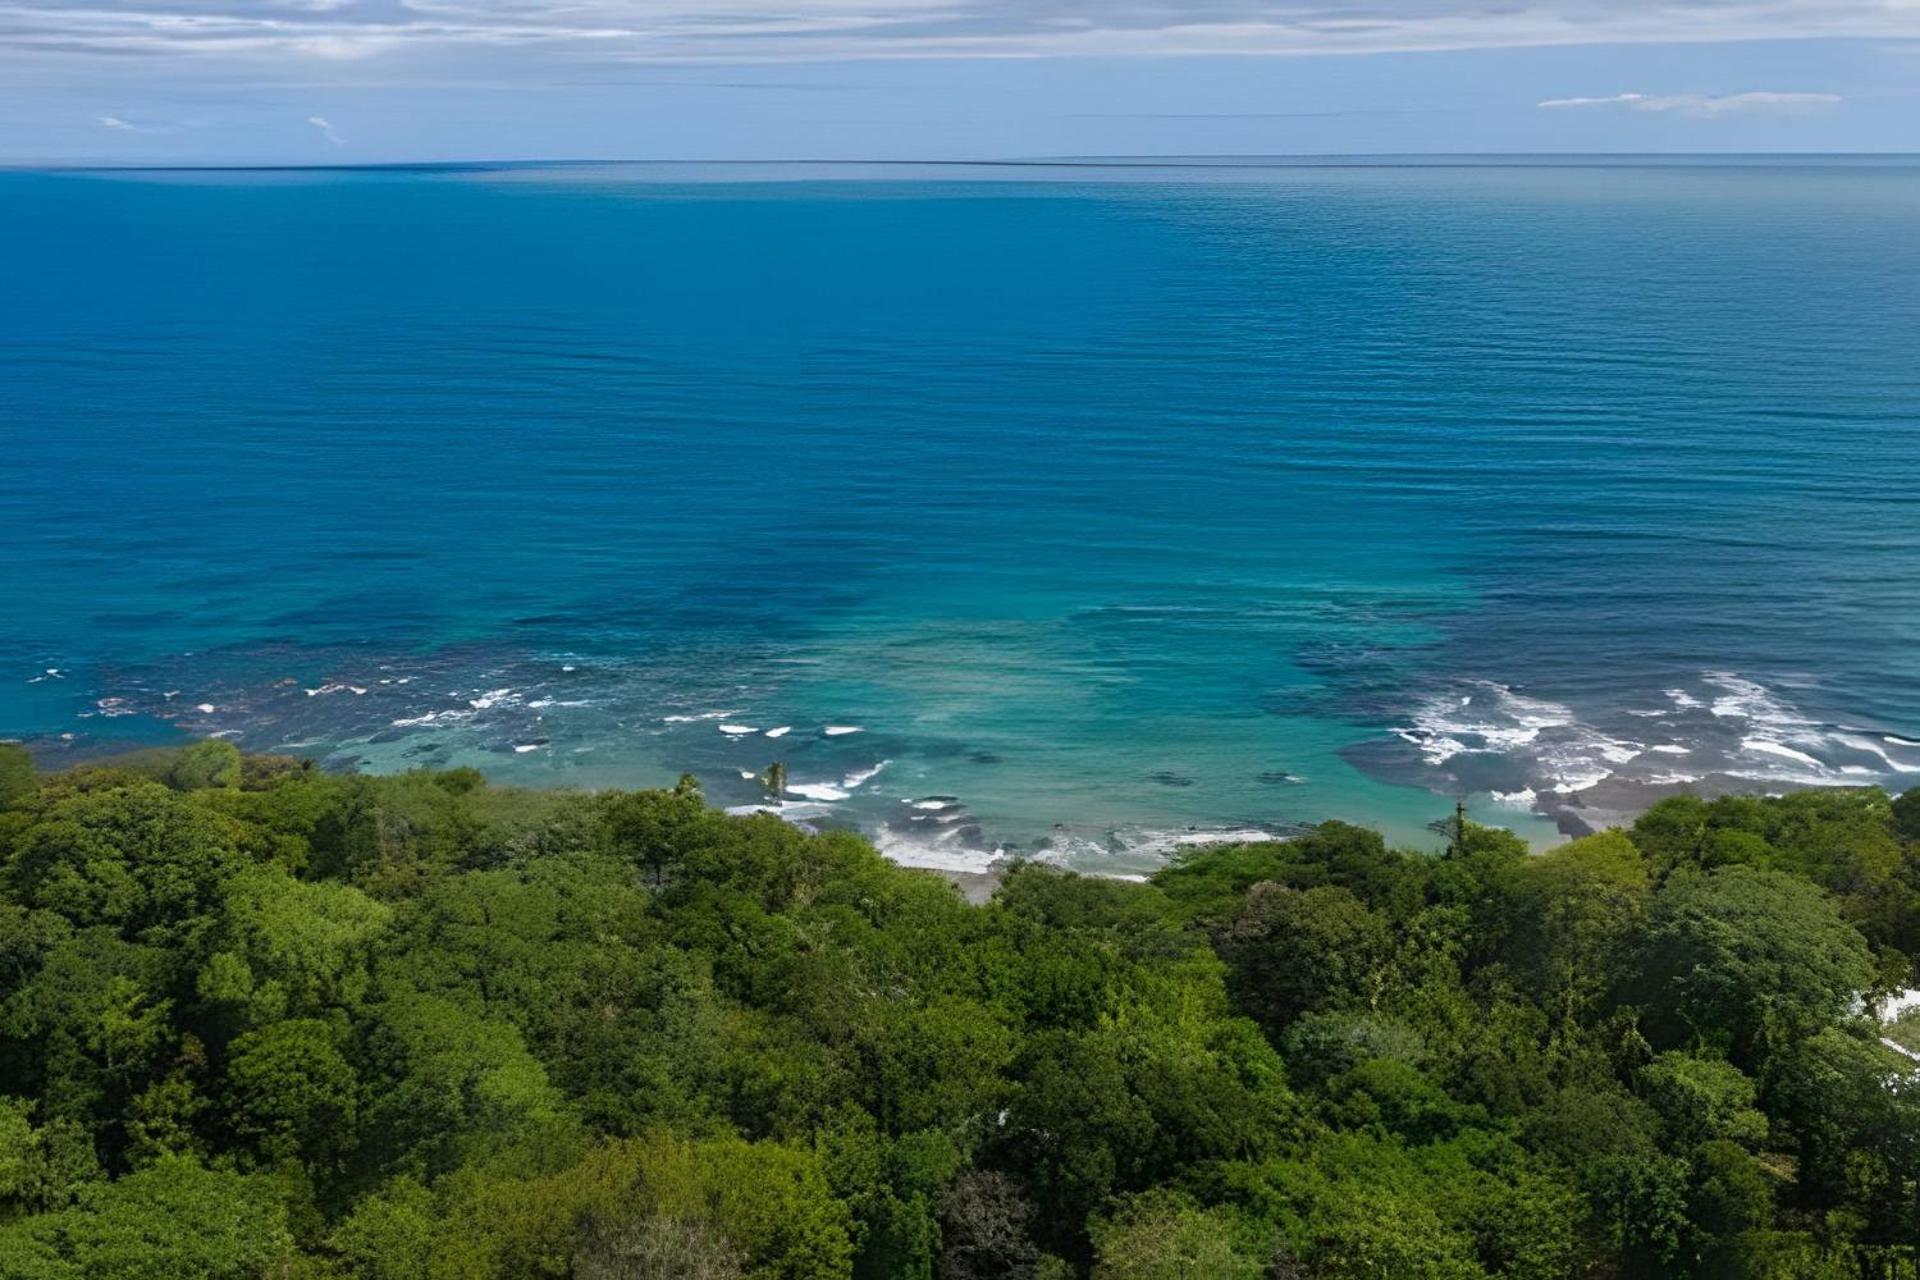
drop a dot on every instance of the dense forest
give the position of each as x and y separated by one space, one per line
258 1020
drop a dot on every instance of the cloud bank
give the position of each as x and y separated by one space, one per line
802 30
1707 106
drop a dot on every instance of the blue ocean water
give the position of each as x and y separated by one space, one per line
1083 510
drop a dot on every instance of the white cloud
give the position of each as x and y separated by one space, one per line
121 124
1765 102
326 130
774 30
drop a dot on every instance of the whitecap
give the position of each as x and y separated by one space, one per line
1867 745
704 715
781 732
1899 741
1671 749
1579 777
942 853
1681 698
749 775
837 730
1749 700
1521 799
824 791
206 708
1781 749
861 776
489 699
779 809
333 687
521 748
737 730
433 717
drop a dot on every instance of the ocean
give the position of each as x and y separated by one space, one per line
1082 511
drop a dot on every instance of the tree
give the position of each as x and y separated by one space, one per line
285 947
174 1220
1747 961
1701 1100
1574 913
1296 951
1162 1235
138 857
1362 1231
214 763
293 1094
1641 1202
653 1248
986 1229
18 779
1906 815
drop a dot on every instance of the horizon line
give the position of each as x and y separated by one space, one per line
1186 160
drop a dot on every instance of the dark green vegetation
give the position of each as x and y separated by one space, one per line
256 1020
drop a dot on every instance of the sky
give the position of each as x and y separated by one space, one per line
381 81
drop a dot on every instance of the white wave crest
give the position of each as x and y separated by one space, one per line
860 777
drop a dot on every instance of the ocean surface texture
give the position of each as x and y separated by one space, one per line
1083 510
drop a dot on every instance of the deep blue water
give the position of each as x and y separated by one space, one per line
1136 501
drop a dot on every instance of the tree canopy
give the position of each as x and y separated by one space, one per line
257 1020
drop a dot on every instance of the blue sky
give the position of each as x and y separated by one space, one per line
346 81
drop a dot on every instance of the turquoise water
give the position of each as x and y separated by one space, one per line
1114 507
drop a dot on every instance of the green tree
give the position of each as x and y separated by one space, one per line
292 1094
1747 961
284 947
214 763
1905 815
1312 950
1574 915
1163 1235
138 857
18 779
174 1220
1702 1099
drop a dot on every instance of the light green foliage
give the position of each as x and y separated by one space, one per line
207 765
41 1167
1368 1232
136 857
1702 1100
757 1210
288 948
174 1220
1161 1235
